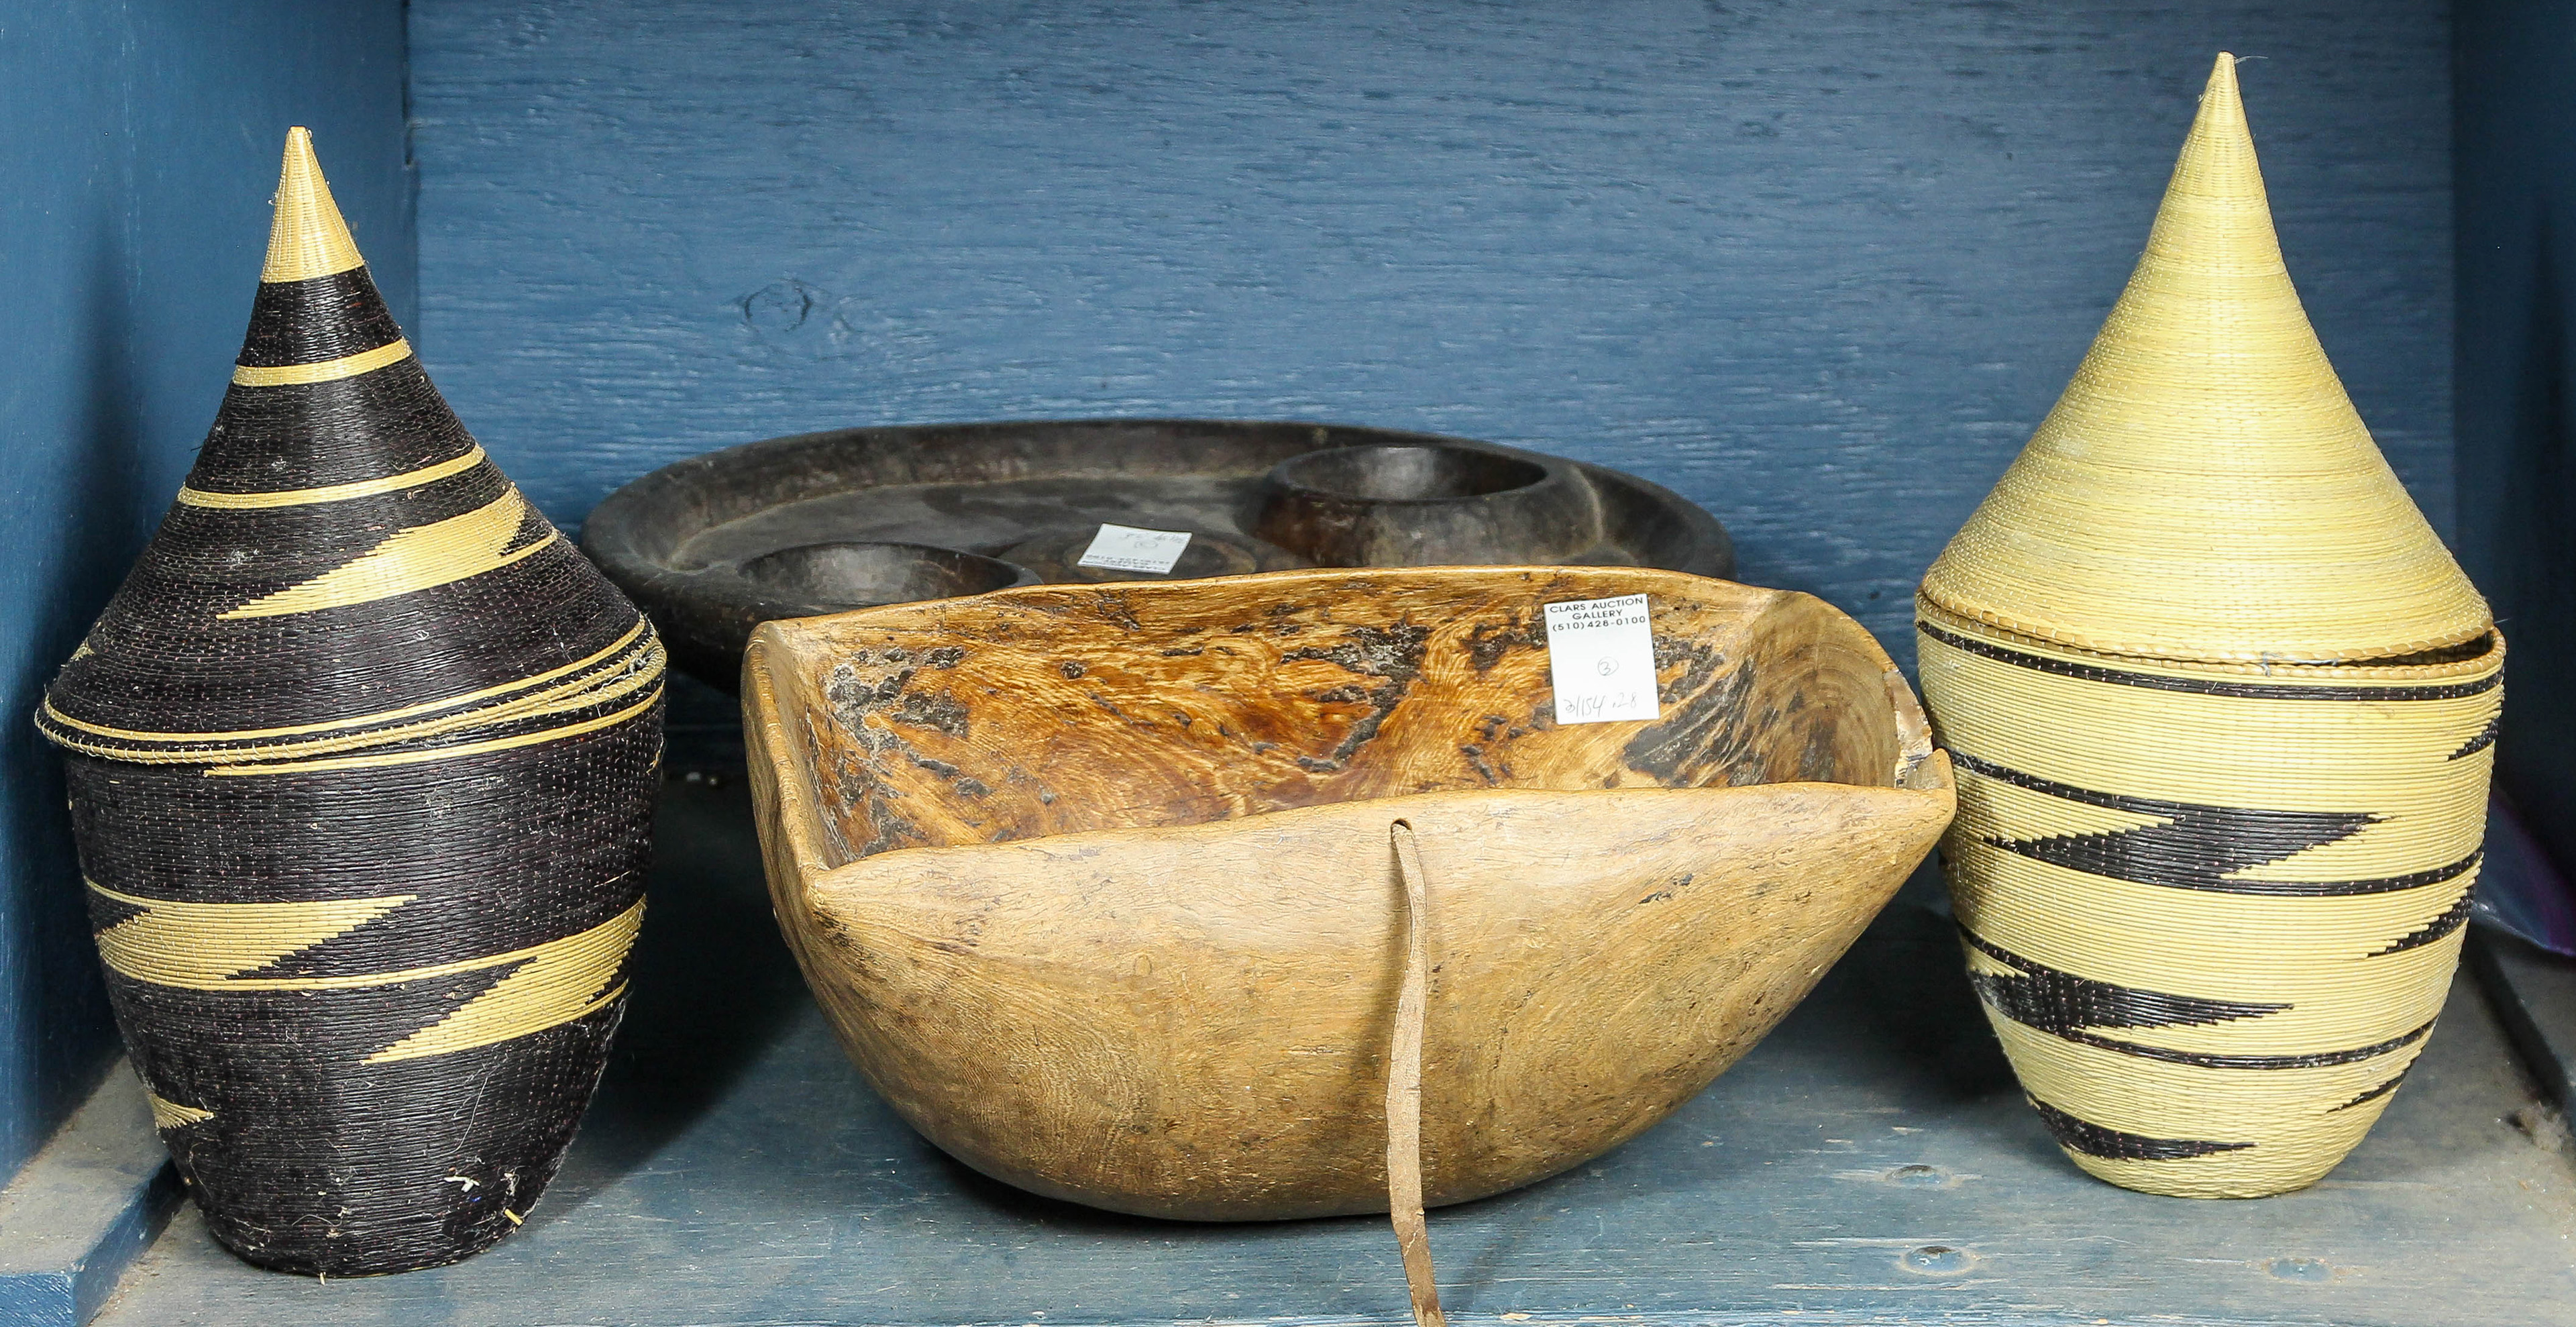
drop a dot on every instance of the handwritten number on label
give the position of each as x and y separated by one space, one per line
1601 660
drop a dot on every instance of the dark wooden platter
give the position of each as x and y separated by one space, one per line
823 522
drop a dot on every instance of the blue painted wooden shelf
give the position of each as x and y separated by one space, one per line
1870 1163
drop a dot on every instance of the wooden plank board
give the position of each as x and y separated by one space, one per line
1871 1162
81 1210
1817 265
2534 992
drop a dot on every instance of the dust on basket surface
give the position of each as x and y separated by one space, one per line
1095 882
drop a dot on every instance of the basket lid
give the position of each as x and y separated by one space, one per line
2204 489
343 556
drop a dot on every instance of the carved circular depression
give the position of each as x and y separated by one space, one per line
1410 473
1421 504
861 575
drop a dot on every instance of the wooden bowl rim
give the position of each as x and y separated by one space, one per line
1922 768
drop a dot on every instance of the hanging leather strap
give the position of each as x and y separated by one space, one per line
1404 1091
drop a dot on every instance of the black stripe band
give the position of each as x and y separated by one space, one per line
2208 1060
2206 686
2200 847
2063 1005
316 320
2440 928
2374 1094
2120 1145
2056 1001
2485 738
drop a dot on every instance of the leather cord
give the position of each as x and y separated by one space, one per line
1404 1090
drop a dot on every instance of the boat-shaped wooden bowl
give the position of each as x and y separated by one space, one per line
1095 881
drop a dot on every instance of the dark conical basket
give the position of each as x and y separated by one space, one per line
361 761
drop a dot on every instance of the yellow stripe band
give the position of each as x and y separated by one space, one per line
362 721
560 982
364 488
168 1114
446 752
307 236
329 370
638 669
200 946
421 557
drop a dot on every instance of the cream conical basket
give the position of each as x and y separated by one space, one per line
2221 706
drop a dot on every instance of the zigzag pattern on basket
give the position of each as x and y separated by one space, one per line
362 759
2222 708
229 946
2211 963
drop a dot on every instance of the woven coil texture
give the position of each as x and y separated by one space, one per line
362 758
2212 916
2204 489
2223 712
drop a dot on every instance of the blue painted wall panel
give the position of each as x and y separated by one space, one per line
1819 266
2517 377
143 144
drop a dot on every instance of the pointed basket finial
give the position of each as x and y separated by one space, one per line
2204 489
308 238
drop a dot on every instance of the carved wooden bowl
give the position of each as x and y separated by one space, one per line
1095 881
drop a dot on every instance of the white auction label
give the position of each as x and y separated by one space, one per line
1126 548
1601 656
